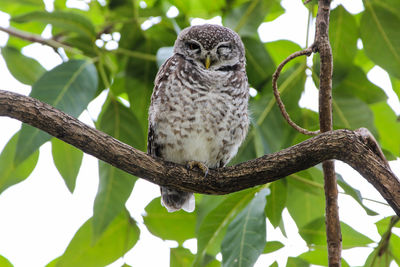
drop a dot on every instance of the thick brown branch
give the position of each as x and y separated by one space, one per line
344 145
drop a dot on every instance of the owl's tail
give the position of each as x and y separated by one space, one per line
175 200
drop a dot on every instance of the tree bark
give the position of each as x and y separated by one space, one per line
356 148
332 222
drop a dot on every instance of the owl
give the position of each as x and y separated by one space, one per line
198 113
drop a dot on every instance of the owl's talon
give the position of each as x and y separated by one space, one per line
191 164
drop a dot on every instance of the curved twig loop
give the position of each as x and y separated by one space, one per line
282 108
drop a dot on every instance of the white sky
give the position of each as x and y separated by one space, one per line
39 216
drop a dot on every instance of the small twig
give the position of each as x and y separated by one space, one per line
56 44
282 108
38 39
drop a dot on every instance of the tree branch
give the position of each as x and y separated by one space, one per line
278 99
348 146
57 44
38 39
321 43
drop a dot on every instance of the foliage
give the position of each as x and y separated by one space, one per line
224 224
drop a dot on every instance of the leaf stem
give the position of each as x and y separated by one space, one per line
103 74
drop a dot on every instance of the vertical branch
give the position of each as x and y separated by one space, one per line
322 45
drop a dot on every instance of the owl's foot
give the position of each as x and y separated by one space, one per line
191 164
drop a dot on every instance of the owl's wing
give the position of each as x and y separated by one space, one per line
160 84
150 140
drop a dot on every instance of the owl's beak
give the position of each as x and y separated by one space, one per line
207 62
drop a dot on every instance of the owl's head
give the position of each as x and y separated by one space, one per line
210 47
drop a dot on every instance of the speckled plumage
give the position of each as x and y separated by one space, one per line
198 113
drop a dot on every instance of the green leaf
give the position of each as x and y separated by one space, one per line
384 224
260 66
356 84
395 247
205 205
319 257
67 20
120 237
69 87
13 7
178 226
276 202
203 9
213 263
25 69
115 185
213 226
10 172
309 181
396 86
392 5
68 161
362 61
343 33
304 207
148 42
119 122
259 145
246 18
354 193
296 262
10 6
281 49
352 113
314 233
53 263
352 238
4 262
139 93
376 260
266 114
24 2
291 86
180 257
381 36
275 11
272 246
245 237
388 126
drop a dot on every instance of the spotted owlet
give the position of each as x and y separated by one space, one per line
198 111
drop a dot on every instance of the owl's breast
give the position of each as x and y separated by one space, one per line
201 125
